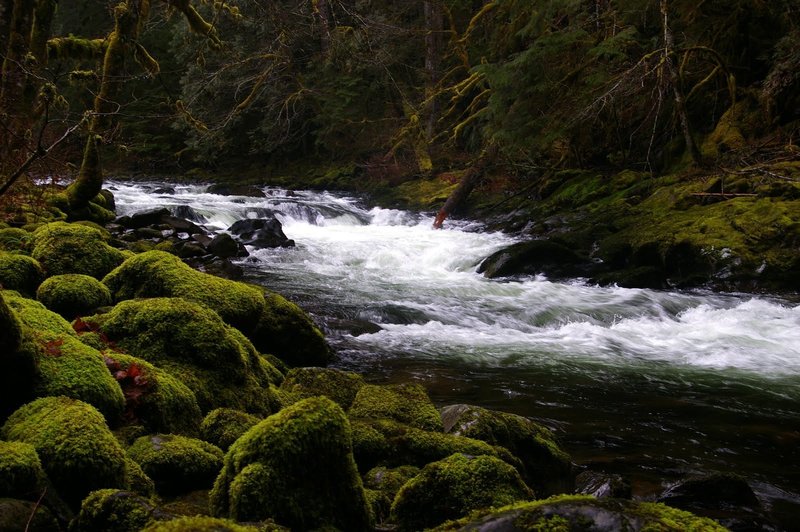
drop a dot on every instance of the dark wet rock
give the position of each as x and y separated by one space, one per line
224 246
236 190
602 485
188 213
221 268
164 190
261 233
149 232
725 497
180 225
187 249
536 256
25 515
143 218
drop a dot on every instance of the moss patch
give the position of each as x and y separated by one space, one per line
76 448
21 473
21 515
73 294
14 239
74 248
206 524
224 426
177 464
406 403
110 509
295 467
454 486
339 386
20 272
194 345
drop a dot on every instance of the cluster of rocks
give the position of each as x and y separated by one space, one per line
179 234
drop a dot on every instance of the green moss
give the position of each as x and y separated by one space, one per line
582 512
73 248
424 194
296 467
76 448
177 464
406 403
73 294
15 239
26 515
454 486
154 397
381 485
389 443
272 323
21 473
187 504
547 468
224 426
137 480
20 272
110 509
339 386
63 365
10 329
195 346
204 524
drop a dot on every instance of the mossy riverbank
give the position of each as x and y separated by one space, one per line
174 394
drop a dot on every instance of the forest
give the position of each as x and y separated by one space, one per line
399 265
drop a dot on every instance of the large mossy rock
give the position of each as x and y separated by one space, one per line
297 468
10 329
581 512
548 468
16 380
15 239
406 403
73 294
177 464
113 510
192 343
74 248
77 450
21 473
154 398
52 361
272 323
385 442
20 272
455 486
339 386
224 426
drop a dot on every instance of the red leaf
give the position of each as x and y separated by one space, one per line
53 347
134 371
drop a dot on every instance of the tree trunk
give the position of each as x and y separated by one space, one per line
468 183
14 73
42 27
322 10
434 25
677 89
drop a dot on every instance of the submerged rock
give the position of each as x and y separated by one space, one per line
455 486
297 468
602 485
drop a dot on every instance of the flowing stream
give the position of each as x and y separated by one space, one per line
654 385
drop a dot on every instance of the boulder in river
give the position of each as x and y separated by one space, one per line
223 189
536 256
261 233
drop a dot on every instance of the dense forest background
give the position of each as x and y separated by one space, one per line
389 90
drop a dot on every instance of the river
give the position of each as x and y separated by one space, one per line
654 385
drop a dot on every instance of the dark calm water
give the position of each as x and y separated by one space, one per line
654 385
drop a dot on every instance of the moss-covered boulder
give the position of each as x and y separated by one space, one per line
77 450
406 403
60 363
137 480
21 473
113 510
18 515
15 239
207 524
62 247
194 345
10 329
339 386
154 398
581 512
272 323
455 486
17 378
177 464
223 426
73 294
381 485
548 468
20 272
296 467
389 443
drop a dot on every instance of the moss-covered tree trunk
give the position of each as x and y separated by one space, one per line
13 97
468 183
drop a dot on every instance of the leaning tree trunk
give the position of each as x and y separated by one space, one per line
468 183
677 90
